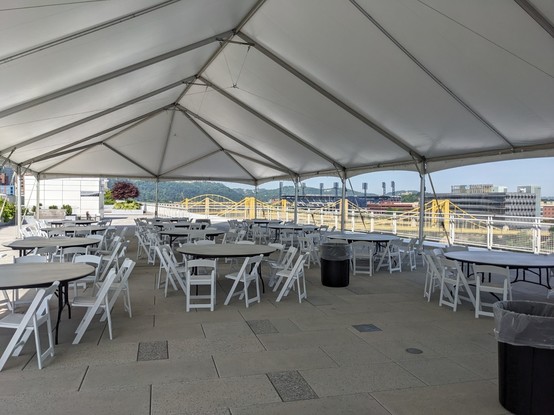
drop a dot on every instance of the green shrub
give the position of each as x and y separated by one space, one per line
9 211
53 207
108 198
68 209
127 205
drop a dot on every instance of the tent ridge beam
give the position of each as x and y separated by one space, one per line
97 115
277 165
536 15
273 124
430 74
130 160
61 150
111 75
87 31
389 135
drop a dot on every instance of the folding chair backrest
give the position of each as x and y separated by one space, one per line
201 263
43 309
69 253
110 262
89 259
280 248
289 257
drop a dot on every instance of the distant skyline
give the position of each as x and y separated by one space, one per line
512 173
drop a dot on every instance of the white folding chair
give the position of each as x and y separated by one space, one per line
408 250
200 272
362 257
493 280
281 270
248 272
93 304
121 285
67 254
306 245
453 284
36 315
391 256
433 275
92 279
295 275
174 273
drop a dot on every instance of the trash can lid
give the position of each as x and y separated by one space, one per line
524 323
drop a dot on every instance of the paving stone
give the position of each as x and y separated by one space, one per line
366 328
291 386
262 326
152 350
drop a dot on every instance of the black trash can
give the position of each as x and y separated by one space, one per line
335 264
525 334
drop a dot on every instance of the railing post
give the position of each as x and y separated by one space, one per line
536 237
452 231
353 221
490 231
372 221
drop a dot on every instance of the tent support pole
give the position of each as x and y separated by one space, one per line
343 204
18 218
255 201
295 200
37 205
156 201
421 228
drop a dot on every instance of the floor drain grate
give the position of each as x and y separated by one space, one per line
152 351
366 328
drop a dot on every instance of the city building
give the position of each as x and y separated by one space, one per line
534 190
491 201
548 210
82 194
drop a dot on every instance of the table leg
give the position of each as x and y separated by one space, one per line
63 300
60 308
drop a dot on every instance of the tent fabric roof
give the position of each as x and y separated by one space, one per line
254 91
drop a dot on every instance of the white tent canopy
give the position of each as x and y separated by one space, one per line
254 91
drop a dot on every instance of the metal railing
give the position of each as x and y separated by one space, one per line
441 224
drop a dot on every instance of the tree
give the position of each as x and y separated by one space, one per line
124 191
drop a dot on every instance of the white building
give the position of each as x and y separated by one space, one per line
82 194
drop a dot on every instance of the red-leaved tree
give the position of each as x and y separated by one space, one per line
124 191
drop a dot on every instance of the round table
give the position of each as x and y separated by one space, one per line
72 229
512 260
15 276
72 222
176 233
225 250
361 236
28 244
173 224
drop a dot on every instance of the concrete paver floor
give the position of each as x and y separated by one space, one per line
271 358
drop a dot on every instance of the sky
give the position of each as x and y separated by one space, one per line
513 173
